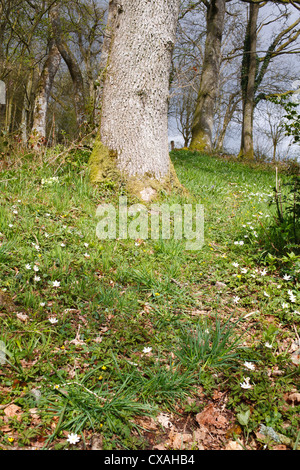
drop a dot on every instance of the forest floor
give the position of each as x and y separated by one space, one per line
138 343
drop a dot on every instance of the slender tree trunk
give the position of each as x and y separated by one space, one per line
231 107
26 108
45 84
133 131
105 51
202 128
8 113
249 68
73 67
2 102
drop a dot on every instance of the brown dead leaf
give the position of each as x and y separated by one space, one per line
233 445
22 317
98 339
200 435
159 447
217 395
176 441
294 397
234 430
180 441
220 285
200 312
38 443
280 447
164 420
295 357
211 416
96 442
5 429
55 420
104 329
147 308
147 423
13 410
71 310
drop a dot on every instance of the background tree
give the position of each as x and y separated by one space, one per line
202 128
72 64
255 67
186 68
44 87
35 76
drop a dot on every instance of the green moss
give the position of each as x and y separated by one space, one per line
102 164
199 143
103 168
248 156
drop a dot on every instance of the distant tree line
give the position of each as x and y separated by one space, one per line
74 66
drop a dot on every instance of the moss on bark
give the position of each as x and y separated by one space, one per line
200 143
246 155
102 164
103 168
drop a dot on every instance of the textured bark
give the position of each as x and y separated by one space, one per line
231 107
248 83
73 67
45 84
133 133
108 35
202 128
254 70
26 108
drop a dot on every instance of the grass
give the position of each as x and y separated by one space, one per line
97 335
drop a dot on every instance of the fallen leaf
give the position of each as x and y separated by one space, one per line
295 357
200 435
96 442
217 395
5 429
22 317
180 441
164 420
294 397
12 410
147 423
98 339
211 416
159 447
233 445
220 285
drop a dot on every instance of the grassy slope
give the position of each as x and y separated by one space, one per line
88 372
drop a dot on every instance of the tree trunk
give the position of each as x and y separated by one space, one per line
2 102
108 34
202 128
45 84
26 108
73 67
8 114
249 68
231 107
133 131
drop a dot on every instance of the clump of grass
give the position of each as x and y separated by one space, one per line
164 383
209 345
96 408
